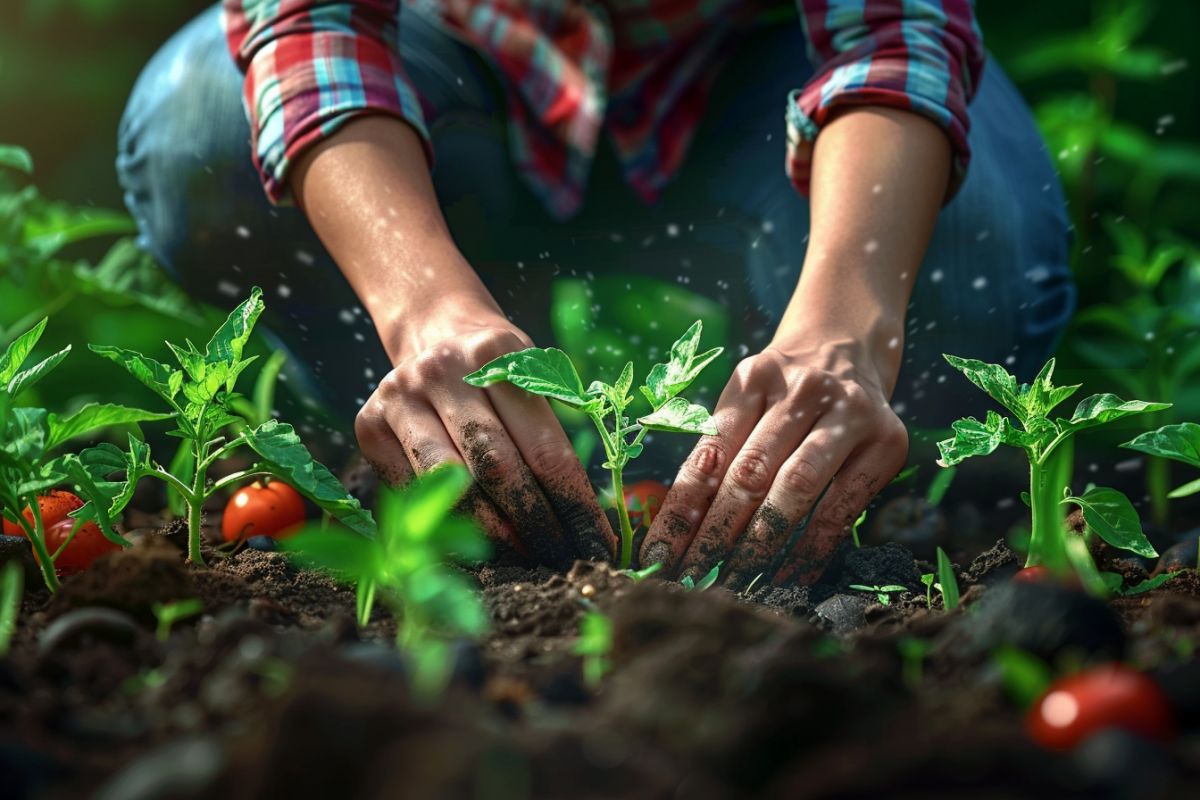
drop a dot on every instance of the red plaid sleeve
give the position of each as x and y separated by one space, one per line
925 56
310 67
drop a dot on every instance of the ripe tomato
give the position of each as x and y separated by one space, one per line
1108 696
87 545
263 509
54 506
644 496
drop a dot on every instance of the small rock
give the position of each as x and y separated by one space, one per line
264 543
846 613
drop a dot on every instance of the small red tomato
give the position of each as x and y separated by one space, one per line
54 506
1108 696
263 509
644 497
86 546
1033 575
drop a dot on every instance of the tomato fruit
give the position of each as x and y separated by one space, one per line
644 499
86 546
54 507
1033 575
272 509
1108 696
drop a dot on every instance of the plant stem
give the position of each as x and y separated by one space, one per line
1158 470
1048 476
195 506
235 477
36 533
623 516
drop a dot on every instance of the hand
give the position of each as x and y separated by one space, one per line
792 421
530 494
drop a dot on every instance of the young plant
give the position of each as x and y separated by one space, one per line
12 585
28 438
168 614
854 529
202 400
927 580
1048 443
882 593
594 644
1176 442
947 584
705 583
549 372
406 566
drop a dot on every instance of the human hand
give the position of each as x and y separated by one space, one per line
531 494
793 420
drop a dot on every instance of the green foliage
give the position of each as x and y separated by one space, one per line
927 580
639 575
940 485
201 396
595 644
168 614
858 523
1023 675
549 372
406 566
947 583
1177 442
12 587
1048 444
705 583
882 593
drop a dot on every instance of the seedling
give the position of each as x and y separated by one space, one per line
947 584
704 583
405 567
168 614
639 575
1176 442
29 436
1049 445
882 593
927 581
549 373
12 585
595 645
854 528
202 401
913 652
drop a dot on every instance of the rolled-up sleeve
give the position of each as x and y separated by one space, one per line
924 56
310 67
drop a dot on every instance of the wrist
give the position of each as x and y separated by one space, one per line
437 317
872 343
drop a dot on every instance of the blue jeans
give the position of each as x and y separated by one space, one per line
995 285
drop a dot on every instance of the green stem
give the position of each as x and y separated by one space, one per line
623 516
1158 470
222 451
1048 476
195 505
36 533
234 477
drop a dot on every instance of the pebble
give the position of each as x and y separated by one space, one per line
264 543
845 612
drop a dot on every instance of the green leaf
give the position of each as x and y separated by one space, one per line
364 600
1081 561
16 353
1043 396
940 485
154 375
17 158
28 378
286 457
947 581
103 460
1179 442
1150 584
680 416
975 438
1187 490
547 372
26 433
94 416
995 380
98 494
1100 409
710 577
1023 675
344 555
624 381
904 474
227 344
264 386
667 380
418 510
1114 519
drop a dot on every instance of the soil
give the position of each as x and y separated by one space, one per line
800 692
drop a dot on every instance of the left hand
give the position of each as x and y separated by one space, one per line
793 420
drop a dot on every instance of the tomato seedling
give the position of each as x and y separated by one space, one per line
269 508
594 644
1049 445
705 583
167 614
406 566
1108 696
883 594
548 372
202 400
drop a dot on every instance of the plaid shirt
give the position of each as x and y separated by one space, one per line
640 70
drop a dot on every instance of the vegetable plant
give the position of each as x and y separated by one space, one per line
927 580
167 614
201 397
29 436
406 567
704 583
883 594
549 372
594 644
1048 443
947 584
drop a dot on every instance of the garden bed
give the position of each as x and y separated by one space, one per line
808 692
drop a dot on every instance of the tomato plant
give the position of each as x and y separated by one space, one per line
55 505
643 500
1049 446
1108 696
271 508
549 372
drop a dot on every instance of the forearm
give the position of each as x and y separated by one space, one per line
879 177
368 194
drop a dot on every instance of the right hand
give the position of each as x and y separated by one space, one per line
531 494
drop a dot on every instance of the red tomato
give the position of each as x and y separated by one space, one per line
86 546
1033 575
272 509
644 496
54 506
1108 696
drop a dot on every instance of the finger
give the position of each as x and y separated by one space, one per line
380 446
859 480
502 474
544 447
689 498
426 444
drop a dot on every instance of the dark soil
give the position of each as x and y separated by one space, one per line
802 692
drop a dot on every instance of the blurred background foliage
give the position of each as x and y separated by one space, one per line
1112 84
